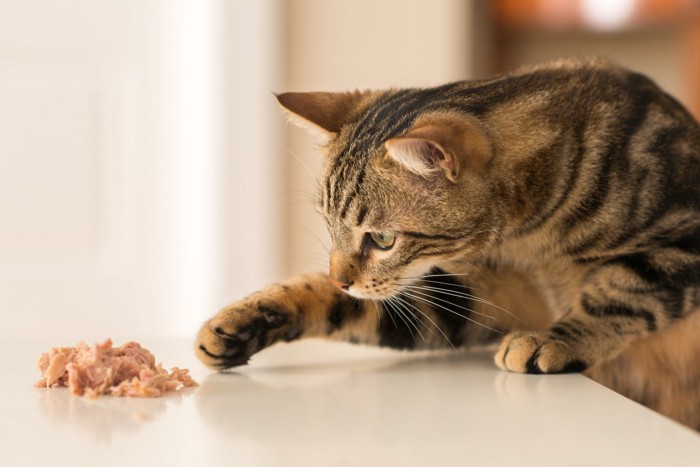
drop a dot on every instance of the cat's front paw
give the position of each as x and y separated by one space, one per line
537 353
231 337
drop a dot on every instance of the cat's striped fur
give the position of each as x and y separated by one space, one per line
558 205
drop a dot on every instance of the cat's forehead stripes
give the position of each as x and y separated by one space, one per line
389 117
347 172
361 215
394 113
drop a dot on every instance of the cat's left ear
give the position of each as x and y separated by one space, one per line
322 113
440 145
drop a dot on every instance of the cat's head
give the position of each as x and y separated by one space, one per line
405 186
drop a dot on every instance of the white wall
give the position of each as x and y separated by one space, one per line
135 142
143 179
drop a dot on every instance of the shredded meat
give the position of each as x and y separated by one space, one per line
91 371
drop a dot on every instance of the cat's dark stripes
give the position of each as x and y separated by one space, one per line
557 206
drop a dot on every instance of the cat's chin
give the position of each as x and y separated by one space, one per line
366 296
362 296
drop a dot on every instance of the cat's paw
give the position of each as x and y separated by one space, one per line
537 353
236 333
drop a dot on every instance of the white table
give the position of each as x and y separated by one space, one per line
338 407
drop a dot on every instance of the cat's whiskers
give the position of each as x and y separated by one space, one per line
392 306
303 164
431 303
432 275
299 191
376 307
293 198
419 290
388 310
290 203
407 304
464 262
396 302
467 287
296 182
326 248
317 263
469 296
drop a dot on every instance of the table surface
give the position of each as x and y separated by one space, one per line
315 404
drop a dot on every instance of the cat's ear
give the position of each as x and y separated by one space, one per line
323 113
439 145
422 156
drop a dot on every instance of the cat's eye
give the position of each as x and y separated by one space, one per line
383 240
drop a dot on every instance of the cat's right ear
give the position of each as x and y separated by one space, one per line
322 113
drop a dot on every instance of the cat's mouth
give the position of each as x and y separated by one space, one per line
365 294
386 289
374 290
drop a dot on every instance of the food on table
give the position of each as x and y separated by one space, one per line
91 371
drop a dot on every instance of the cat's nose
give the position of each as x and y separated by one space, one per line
341 283
340 271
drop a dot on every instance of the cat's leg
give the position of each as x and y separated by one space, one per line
310 306
305 306
619 303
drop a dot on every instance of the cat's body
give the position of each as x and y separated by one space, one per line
559 203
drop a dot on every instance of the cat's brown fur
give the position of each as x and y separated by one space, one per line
559 204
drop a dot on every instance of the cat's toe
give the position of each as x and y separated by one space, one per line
235 334
227 341
536 353
219 350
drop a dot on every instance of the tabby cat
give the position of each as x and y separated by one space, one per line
556 208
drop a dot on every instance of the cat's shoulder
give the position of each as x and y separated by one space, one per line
573 64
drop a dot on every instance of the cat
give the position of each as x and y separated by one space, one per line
556 208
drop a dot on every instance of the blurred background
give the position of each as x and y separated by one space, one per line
146 174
